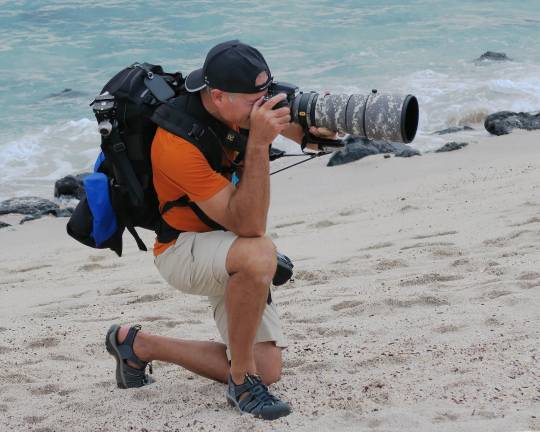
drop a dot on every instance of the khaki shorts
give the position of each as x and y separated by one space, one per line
195 264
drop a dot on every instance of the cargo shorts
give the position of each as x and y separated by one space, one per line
195 264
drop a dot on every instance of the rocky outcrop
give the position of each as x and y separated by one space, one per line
70 186
493 56
503 122
359 148
453 129
33 208
4 225
451 146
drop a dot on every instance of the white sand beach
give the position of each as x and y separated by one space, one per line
415 306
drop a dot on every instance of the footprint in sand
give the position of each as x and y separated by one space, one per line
96 258
45 390
324 224
408 208
445 417
417 301
46 342
119 290
426 245
147 298
29 269
503 241
429 278
96 266
288 224
439 234
381 245
388 264
347 304
527 222
17 378
494 294
447 328
460 262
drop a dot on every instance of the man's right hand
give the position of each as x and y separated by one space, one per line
266 123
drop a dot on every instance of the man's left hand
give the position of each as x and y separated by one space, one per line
323 133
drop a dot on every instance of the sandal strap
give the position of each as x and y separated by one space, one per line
257 393
126 347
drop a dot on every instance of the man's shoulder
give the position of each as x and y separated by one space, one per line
169 145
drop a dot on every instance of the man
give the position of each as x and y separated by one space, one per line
235 267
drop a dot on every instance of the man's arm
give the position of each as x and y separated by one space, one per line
244 210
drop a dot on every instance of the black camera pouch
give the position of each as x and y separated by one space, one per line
284 270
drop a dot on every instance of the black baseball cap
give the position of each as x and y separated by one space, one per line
230 66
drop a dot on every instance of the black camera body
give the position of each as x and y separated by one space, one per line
282 87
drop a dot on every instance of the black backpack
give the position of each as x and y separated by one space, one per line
120 193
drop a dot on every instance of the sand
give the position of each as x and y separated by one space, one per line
415 306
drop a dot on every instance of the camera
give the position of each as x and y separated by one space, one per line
104 107
375 116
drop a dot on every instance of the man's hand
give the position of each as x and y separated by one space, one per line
265 123
323 133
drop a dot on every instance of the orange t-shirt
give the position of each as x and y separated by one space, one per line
179 168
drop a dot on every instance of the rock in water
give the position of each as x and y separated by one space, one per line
503 122
493 56
358 148
33 208
28 206
4 225
451 146
453 129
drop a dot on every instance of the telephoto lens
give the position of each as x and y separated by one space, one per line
374 116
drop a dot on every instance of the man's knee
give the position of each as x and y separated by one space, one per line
255 256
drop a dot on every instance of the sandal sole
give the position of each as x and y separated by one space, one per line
112 349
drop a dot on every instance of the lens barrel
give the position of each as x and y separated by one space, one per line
374 116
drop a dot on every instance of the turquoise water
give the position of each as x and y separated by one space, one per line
422 47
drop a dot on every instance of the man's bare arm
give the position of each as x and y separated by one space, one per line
244 210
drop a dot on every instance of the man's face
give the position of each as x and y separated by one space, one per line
235 108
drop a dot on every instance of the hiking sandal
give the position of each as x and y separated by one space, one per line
126 375
258 402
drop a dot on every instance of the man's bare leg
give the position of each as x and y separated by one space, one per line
251 263
205 358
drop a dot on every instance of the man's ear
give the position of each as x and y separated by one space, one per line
217 96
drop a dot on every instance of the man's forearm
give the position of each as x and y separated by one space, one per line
249 203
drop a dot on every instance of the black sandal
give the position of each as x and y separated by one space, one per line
126 375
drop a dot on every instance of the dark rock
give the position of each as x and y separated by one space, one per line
33 208
66 93
493 56
503 122
453 129
451 146
407 152
358 148
28 206
3 224
70 186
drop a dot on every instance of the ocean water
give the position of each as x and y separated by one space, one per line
423 47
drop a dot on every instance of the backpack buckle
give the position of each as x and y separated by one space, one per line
119 147
196 131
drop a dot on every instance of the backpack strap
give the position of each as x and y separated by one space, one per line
185 117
